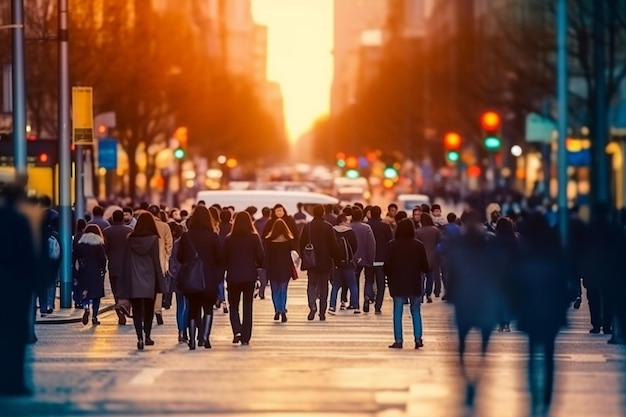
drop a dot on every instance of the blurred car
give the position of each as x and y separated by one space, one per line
407 202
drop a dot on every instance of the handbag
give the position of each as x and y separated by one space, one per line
294 271
308 254
190 278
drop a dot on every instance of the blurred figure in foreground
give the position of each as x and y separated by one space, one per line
475 278
540 301
19 274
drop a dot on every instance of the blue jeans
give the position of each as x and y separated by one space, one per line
279 295
347 275
398 309
375 274
221 292
46 298
182 312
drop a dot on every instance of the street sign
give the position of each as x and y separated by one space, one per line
539 128
82 115
107 153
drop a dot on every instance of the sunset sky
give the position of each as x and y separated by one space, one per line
300 47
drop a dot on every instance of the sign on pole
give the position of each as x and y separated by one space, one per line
82 115
539 128
107 153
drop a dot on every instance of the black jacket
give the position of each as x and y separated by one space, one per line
114 242
92 262
206 244
278 262
142 276
242 256
405 262
347 233
383 235
321 234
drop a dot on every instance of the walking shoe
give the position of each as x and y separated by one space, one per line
159 318
322 317
224 308
283 317
342 306
149 342
311 315
352 308
396 345
140 345
85 317
577 303
419 343
331 310
237 338
366 307
95 321
121 318
276 316
429 300
357 311
378 312
595 330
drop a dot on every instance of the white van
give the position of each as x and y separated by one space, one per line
242 199
408 201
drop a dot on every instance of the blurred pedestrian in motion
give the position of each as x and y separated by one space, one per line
92 267
243 254
182 304
81 224
475 272
203 242
20 279
279 265
507 244
142 276
405 262
540 299
430 235
114 242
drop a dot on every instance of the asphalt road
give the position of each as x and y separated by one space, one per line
341 367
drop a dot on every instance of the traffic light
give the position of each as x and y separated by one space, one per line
491 122
452 143
179 153
390 173
341 159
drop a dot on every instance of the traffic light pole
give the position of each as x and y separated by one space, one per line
65 160
19 88
562 90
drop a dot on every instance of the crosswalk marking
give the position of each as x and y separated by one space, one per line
147 377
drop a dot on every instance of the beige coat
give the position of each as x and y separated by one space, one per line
166 243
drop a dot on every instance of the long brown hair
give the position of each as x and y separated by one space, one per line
145 226
93 228
242 226
200 219
279 228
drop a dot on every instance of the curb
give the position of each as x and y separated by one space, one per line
73 320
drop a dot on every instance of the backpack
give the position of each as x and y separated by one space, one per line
54 247
345 250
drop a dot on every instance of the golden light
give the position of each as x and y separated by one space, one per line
231 163
490 121
352 162
221 159
452 141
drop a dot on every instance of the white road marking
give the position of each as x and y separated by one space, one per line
146 377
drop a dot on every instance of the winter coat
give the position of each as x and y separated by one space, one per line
114 241
206 244
166 242
242 256
382 235
429 236
320 233
278 261
92 263
366 244
405 262
142 276
348 234
174 267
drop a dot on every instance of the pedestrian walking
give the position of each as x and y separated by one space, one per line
365 249
182 304
344 272
142 276
243 254
319 252
202 241
430 235
507 243
279 265
81 224
165 251
92 264
375 275
114 240
405 262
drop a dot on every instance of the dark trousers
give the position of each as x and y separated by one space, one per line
143 313
235 292
199 304
15 315
600 308
375 274
432 280
318 284
113 287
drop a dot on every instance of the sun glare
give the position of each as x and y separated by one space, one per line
300 42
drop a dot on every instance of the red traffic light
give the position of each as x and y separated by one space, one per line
490 121
452 141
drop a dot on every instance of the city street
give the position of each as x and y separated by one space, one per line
341 367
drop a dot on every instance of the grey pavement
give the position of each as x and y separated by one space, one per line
341 367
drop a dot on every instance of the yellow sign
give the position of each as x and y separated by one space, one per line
82 115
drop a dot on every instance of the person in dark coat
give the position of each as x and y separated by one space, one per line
375 275
540 300
225 225
320 234
243 254
114 241
77 296
20 279
92 267
182 304
405 262
430 235
278 212
279 265
507 243
221 291
142 276
202 240
343 276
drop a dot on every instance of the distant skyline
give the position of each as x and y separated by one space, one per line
300 43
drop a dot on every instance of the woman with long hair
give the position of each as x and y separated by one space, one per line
92 262
221 292
279 265
142 276
202 240
243 254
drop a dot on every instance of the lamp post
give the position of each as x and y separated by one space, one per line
19 88
561 25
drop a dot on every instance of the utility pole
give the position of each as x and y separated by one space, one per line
65 160
19 88
562 91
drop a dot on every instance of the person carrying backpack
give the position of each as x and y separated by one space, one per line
345 267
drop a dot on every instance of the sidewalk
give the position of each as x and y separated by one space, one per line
73 315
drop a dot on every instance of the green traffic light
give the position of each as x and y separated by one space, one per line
453 156
352 174
179 153
492 143
341 163
390 173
